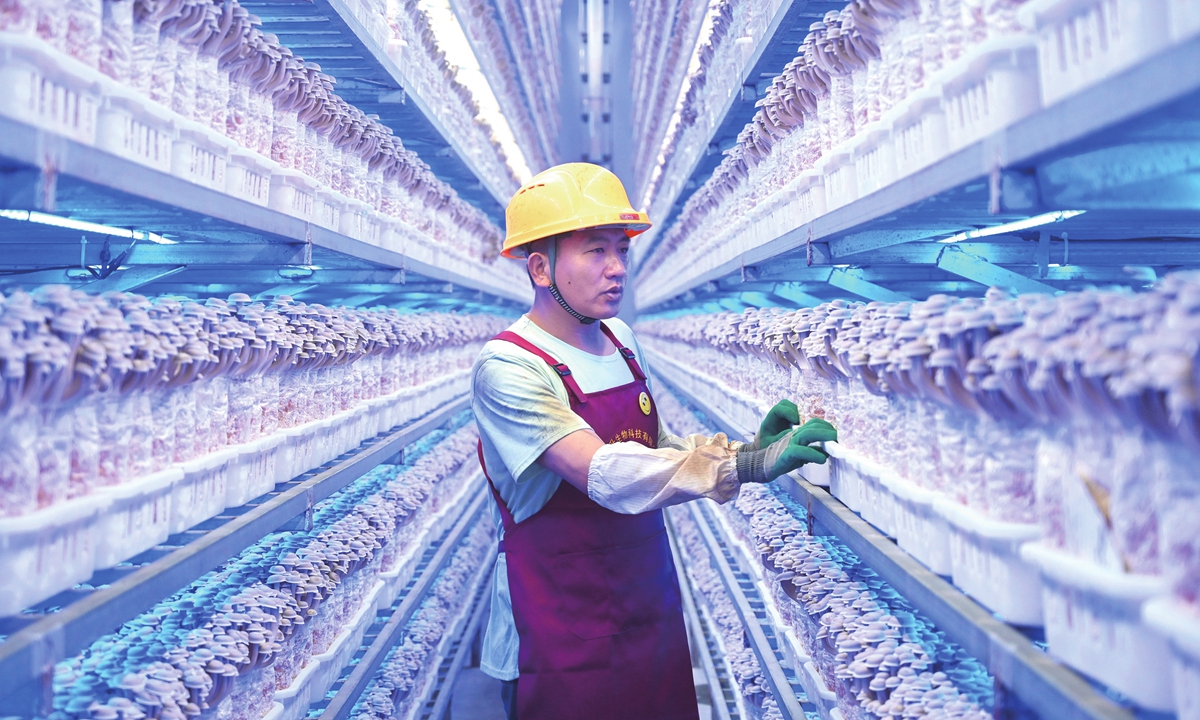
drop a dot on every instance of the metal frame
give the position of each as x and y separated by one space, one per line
698 634
785 32
461 650
27 657
1045 686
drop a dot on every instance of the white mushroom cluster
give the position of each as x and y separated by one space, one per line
414 661
661 62
416 49
1077 412
102 389
744 667
224 645
852 68
882 659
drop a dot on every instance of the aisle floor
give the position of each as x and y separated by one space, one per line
477 697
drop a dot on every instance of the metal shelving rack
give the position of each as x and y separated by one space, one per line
786 30
760 635
1043 685
27 656
524 106
219 237
722 693
328 33
883 246
357 676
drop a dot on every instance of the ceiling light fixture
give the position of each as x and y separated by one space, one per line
452 40
1015 226
83 226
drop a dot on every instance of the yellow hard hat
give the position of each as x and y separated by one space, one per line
567 197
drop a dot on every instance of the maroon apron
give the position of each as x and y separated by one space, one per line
594 593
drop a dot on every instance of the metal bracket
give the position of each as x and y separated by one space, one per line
955 261
851 280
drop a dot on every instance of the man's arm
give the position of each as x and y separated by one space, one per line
570 457
630 478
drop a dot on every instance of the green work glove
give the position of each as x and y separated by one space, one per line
779 420
786 454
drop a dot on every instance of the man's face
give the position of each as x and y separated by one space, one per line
591 271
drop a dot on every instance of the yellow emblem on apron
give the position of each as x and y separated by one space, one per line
644 403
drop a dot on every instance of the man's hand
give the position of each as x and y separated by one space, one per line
779 420
786 454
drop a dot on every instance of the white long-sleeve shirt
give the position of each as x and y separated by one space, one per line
522 408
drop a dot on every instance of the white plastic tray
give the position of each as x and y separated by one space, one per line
874 158
327 209
919 131
986 562
200 155
992 87
1094 624
47 88
1179 623
841 182
293 193
252 472
61 546
1083 41
921 531
200 493
136 518
49 550
130 126
248 176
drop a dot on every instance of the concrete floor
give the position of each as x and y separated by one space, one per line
476 697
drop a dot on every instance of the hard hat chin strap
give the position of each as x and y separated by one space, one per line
583 319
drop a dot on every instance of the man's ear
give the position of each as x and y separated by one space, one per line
538 265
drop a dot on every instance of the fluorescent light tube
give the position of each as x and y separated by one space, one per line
83 226
1015 226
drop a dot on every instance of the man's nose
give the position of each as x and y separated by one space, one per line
616 267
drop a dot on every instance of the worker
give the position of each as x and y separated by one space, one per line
586 616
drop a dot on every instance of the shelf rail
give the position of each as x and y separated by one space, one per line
460 649
701 636
95 185
735 111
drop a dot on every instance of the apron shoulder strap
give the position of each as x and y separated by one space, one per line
630 358
563 371
505 516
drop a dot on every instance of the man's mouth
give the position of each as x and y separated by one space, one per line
613 293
